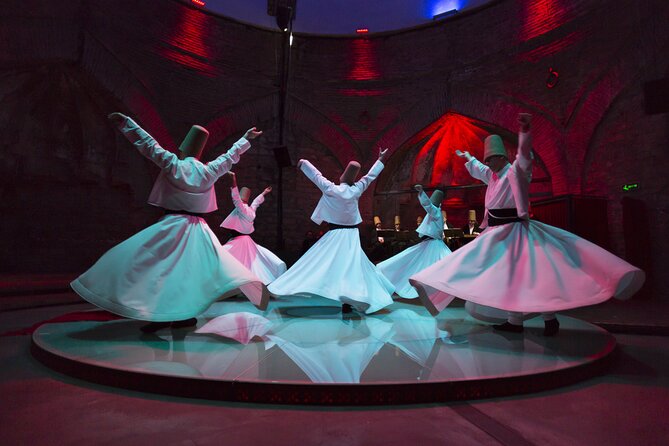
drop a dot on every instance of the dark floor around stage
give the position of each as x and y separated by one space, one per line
623 406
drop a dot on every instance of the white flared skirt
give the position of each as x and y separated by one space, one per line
172 270
405 264
528 267
337 268
261 261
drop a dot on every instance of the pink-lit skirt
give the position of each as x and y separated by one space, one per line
261 261
527 267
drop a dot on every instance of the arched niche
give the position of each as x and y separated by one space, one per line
429 158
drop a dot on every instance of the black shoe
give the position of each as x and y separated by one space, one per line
185 323
508 326
551 327
346 308
154 327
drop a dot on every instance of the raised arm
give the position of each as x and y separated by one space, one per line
425 201
260 199
142 141
224 162
524 155
475 168
363 183
314 175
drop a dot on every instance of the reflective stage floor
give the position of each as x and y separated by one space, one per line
304 351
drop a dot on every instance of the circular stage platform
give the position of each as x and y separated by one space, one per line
304 351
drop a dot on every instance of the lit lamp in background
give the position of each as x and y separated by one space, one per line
552 79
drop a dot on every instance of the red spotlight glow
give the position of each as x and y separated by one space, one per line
362 30
200 3
364 61
436 163
542 16
187 44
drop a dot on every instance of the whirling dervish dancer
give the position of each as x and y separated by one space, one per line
520 265
416 258
261 261
173 270
336 267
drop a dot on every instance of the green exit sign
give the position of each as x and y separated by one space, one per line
630 186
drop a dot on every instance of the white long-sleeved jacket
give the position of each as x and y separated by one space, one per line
242 216
510 187
182 185
433 223
339 203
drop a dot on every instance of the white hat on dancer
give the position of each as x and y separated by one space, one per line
194 142
245 194
494 146
350 173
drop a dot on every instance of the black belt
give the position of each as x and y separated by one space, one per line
336 226
194 214
498 217
233 234
427 237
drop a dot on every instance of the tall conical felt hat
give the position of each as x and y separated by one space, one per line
377 220
397 219
245 194
472 215
437 197
350 173
494 146
194 142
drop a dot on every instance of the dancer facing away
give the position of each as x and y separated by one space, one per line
261 261
175 269
336 267
520 265
416 258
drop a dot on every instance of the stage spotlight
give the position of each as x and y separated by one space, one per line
445 14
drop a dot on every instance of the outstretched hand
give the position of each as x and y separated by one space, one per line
267 190
252 133
418 187
524 120
231 179
117 118
382 153
299 163
464 155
